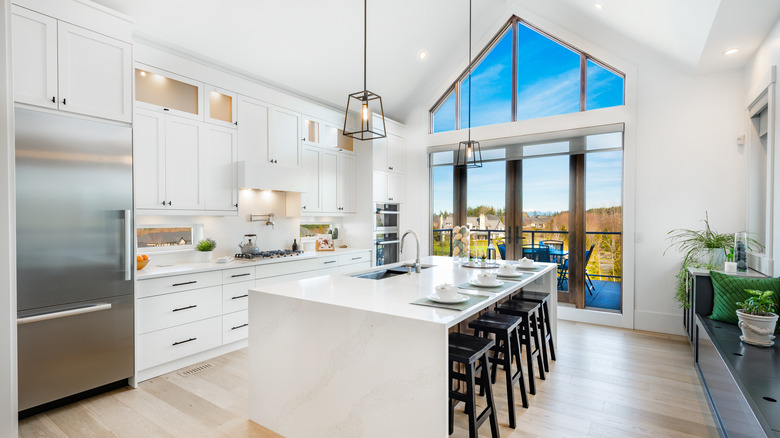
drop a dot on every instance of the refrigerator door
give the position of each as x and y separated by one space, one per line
71 349
73 203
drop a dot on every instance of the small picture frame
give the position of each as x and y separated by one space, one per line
325 242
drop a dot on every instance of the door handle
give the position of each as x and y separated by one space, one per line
63 314
128 246
239 297
240 275
185 308
517 234
183 342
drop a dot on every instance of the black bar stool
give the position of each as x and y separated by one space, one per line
468 350
507 348
544 323
529 330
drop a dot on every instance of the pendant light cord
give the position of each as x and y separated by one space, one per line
470 84
365 50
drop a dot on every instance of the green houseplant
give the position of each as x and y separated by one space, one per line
756 319
205 249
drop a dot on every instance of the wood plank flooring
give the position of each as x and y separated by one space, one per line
607 382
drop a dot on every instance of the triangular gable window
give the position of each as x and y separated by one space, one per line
550 78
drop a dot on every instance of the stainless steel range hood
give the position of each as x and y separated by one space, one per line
264 176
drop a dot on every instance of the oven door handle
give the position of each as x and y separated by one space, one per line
386 242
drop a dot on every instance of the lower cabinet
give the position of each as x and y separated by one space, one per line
166 345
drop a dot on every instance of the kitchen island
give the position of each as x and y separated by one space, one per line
343 356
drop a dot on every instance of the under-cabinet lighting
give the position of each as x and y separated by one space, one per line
422 55
143 73
731 51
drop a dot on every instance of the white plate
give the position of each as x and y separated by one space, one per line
526 267
224 260
497 283
512 275
459 298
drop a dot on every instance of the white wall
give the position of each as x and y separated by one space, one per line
681 161
767 56
8 403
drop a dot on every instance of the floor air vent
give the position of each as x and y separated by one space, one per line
190 371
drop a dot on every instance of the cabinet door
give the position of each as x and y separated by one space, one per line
329 136
220 161
380 186
395 153
310 198
94 74
252 130
221 107
35 57
329 186
149 159
183 155
285 136
379 147
395 188
347 182
311 132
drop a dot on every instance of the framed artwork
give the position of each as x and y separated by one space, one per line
324 242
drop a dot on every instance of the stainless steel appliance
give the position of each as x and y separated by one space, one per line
386 238
74 256
272 254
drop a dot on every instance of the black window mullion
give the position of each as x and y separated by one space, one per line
515 67
583 80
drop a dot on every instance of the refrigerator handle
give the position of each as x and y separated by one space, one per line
64 313
128 246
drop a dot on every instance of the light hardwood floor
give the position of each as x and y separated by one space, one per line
607 382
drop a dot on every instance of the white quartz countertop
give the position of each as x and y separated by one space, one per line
153 271
393 295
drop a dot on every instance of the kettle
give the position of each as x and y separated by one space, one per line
248 244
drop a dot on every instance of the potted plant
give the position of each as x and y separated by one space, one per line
756 319
205 249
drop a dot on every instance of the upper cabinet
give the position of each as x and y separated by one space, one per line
284 137
61 66
389 153
221 107
325 135
158 90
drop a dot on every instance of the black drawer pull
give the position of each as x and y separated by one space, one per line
332 261
240 296
356 258
239 326
183 342
240 275
185 308
185 283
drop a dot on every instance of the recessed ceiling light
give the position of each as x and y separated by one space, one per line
731 51
598 6
422 55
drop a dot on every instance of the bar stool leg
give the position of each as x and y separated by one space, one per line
543 338
489 395
510 386
516 352
471 403
537 342
529 357
549 330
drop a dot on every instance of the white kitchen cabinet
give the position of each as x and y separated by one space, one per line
389 153
149 159
346 183
221 168
253 130
184 151
329 135
322 134
311 132
221 107
329 180
168 93
35 57
310 172
388 187
284 137
59 65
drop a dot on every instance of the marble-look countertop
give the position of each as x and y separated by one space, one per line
153 271
391 296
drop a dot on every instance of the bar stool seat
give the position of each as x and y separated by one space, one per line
507 349
545 332
529 335
469 351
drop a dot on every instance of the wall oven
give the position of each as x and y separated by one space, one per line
386 237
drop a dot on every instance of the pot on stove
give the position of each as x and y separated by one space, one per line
248 245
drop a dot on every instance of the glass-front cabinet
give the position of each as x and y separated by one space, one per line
221 107
159 90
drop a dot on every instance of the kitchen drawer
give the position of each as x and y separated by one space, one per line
328 262
329 271
235 326
176 283
282 268
163 311
176 342
355 257
354 267
284 278
238 274
235 296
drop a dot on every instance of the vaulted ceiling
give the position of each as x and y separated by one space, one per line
315 47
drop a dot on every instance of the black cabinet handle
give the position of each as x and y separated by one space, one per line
391 167
332 261
235 205
185 308
240 275
186 282
390 199
163 203
304 207
356 258
239 326
53 99
235 123
239 297
64 101
169 202
166 109
183 342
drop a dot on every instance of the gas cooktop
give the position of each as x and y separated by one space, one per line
273 254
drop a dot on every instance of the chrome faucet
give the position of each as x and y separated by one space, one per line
417 239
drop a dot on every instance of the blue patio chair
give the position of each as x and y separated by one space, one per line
563 271
502 251
542 254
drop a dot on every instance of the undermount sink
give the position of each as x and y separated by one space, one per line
391 272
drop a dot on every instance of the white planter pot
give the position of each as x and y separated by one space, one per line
757 330
712 256
203 256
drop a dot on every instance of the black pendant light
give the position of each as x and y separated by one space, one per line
359 124
469 152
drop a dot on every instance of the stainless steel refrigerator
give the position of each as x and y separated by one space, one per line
75 263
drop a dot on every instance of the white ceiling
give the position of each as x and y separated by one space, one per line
315 47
